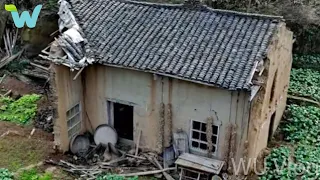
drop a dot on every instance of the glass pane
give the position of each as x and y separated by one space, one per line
203 137
195 144
214 139
78 127
77 119
69 124
203 127
196 125
215 130
73 121
69 134
203 146
213 149
195 135
77 108
68 114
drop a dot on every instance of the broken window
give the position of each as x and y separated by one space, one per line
199 139
74 120
188 174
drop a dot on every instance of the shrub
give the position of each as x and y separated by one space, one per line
21 110
33 174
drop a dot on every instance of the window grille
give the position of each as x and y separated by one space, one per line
74 120
198 136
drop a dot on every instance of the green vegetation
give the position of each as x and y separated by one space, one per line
305 82
33 174
20 111
278 158
301 163
303 125
5 174
306 61
115 177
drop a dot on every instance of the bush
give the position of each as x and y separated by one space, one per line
19 111
5 174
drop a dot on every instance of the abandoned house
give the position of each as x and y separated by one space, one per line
220 77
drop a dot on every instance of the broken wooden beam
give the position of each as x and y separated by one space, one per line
147 172
78 73
137 144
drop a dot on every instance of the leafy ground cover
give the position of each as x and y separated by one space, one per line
306 61
20 111
302 125
5 174
286 163
34 174
305 82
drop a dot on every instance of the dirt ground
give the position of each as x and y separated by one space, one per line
19 150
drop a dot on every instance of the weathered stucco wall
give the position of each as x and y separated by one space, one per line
273 94
69 93
163 105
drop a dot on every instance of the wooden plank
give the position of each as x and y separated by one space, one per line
78 73
147 172
138 142
187 159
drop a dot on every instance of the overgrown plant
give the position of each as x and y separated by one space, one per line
303 125
278 165
306 83
20 111
306 61
5 174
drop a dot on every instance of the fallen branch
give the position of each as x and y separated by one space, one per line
78 73
304 99
147 172
39 66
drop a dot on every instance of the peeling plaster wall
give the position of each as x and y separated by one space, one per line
163 105
273 94
69 93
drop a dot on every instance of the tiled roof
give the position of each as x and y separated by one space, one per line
213 47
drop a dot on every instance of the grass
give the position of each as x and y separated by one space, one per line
19 152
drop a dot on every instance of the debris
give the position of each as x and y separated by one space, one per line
147 172
7 60
78 73
7 93
10 132
32 132
137 144
3 77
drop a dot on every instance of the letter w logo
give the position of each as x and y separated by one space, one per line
19 21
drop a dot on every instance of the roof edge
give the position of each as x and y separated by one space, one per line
203 8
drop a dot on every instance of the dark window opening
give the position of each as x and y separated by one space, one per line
123 120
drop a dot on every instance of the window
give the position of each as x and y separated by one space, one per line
199 136
74 121
188 174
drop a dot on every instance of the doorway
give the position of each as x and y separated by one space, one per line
121 116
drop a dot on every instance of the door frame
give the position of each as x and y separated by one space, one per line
110 118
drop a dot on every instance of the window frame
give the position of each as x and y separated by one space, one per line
69 119
191 139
